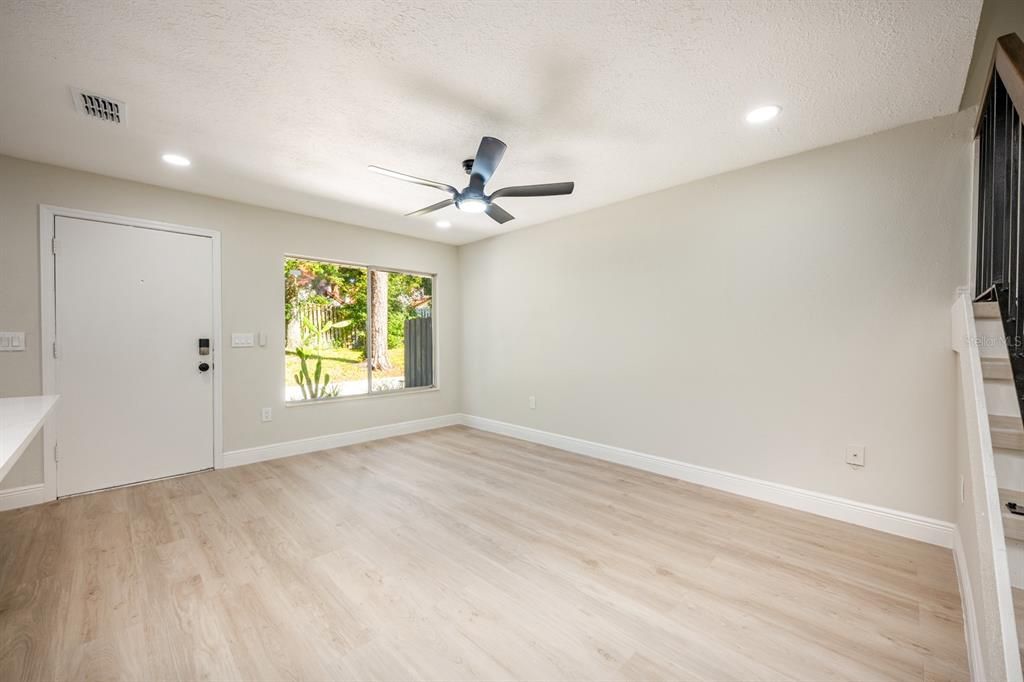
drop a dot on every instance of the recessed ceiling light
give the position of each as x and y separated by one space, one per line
176 160
443 224
762 114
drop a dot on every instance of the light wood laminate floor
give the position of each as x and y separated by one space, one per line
457 554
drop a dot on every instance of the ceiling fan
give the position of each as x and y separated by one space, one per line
472 198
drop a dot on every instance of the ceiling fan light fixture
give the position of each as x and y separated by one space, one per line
474 197
472 205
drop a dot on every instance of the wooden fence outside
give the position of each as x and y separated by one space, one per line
419 352
319 316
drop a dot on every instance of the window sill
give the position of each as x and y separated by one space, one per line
362 396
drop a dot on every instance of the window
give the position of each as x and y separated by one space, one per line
352 330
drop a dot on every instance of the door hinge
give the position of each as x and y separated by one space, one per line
53 246
55 349
56 458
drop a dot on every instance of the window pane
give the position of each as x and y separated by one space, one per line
325 330
402 335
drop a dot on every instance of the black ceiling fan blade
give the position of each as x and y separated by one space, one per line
413 179
549 190
499 214
487 158
433 207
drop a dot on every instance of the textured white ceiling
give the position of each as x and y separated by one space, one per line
283 104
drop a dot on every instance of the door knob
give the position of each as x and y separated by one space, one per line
204 366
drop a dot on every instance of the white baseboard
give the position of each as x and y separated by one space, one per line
904 524
262 453
975 659
892 521
24 496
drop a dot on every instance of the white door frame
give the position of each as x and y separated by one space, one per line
47 302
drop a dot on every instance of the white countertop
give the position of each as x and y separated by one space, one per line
20 421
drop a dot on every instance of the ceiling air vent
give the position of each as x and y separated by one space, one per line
98 106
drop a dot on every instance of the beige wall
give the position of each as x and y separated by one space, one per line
998 17
755 322
254 242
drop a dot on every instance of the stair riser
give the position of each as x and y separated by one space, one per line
989 327
991 338
1009 468
1015 560
1001 398
1013 527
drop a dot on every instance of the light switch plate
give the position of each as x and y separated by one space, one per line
12 341
855 455
246 340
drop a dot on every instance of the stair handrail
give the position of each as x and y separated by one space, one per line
1008 62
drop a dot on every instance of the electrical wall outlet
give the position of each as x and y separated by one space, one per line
533 403
267 414
855 455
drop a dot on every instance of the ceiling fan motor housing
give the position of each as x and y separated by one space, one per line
473 198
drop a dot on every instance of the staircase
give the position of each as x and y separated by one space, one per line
991 350
1007 432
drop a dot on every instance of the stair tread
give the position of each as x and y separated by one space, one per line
1005 422
1009 495
1006 431
986 310
996 368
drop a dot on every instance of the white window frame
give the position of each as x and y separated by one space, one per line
370 393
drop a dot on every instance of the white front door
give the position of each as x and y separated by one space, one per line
131 306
